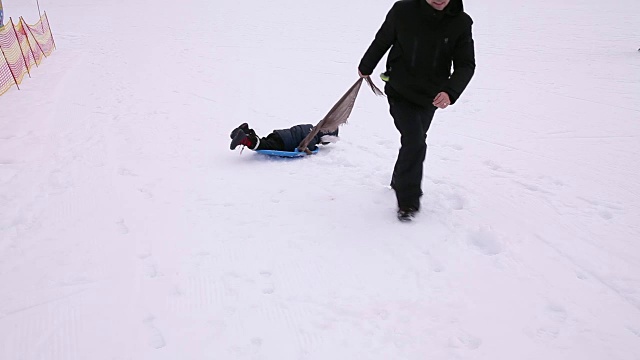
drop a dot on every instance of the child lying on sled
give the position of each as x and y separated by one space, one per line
282 140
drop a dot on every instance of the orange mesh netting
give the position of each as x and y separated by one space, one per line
21 47
6 77
42 34
12 54
32 56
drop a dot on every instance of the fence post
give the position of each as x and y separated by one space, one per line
24 24
34 38
13 26
39 13
50 32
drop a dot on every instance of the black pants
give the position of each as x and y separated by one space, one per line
273 141
412 121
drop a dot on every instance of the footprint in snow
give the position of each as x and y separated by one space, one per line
549 324
145 193
603 209
581 275
634 330
498 168
268 288
464 340
454 146
456 201
486 241
256 341
156 339
122 227
605 215
151 270
126 172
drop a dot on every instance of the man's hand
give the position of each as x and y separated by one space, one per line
442 100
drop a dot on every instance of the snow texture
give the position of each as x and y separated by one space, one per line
128 230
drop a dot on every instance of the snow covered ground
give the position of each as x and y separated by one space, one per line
128 230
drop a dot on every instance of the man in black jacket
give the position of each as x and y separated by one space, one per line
426 37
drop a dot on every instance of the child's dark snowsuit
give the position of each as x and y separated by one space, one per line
282 139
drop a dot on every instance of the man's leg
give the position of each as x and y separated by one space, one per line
412 121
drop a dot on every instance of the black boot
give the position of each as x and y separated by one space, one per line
244 127
240 138
407 214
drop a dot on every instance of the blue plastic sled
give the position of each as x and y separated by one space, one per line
287 154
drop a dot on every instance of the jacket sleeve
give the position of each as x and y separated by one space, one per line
464 65
381 43
313 144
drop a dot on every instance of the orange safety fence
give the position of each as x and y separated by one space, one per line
22 46
31 57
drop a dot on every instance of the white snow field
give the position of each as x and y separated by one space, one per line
129 230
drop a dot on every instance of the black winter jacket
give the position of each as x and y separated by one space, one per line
292 137
424 43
